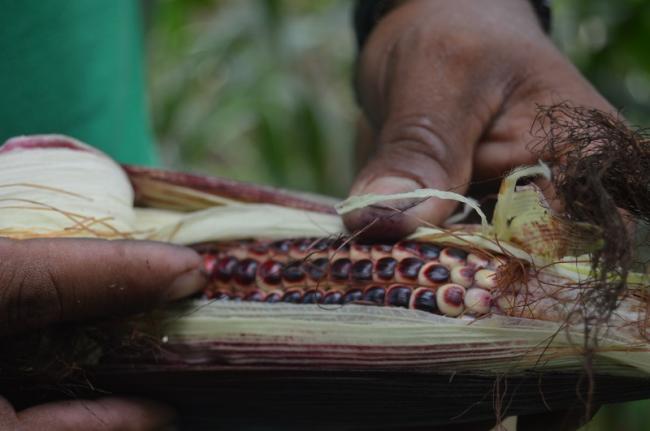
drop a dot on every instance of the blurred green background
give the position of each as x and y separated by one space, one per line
259 90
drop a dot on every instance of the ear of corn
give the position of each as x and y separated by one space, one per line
85 194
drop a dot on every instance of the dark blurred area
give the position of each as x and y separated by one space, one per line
260 90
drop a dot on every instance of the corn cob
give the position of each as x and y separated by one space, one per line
417 275
281 297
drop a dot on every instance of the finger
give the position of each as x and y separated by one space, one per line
50 280
105 414
8 418
429 111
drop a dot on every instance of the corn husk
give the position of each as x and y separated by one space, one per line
205 335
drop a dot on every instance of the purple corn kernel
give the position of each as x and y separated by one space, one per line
333 297
316 269
312 297
273 297
353 295
361 270
424 299
293 274
293 296
428 251
398 296
408 269
375 294
433 274
255 296
340 269
385 269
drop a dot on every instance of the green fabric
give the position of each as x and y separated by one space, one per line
75 67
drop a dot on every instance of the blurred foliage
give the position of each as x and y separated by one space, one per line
259 90
609 42
255 90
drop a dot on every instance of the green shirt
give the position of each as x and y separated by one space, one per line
75 67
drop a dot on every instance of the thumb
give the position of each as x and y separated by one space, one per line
427 121
45 281
411 155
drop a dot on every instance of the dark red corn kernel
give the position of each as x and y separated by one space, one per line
270 272
424 299
224 268
255 296
385 268
352 295
312 297
454 296
409 268
273 297
398 296
209 261
332 297
245 271
340 269
436 273
428 251
375 294
293 272
316 269
293 296
361 270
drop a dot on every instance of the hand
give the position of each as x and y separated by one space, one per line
449 93
45 281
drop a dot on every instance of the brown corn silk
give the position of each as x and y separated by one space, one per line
533 296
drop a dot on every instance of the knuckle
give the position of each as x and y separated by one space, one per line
416 135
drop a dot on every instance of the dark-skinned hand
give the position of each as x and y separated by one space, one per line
449 91
45 281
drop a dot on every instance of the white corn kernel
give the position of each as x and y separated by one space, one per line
486 279
463 275
478 301
450 299
477 261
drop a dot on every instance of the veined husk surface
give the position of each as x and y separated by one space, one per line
85 194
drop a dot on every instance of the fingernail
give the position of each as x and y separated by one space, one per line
389 185
186 284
